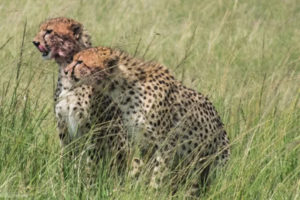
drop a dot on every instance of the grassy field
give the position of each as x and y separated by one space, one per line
245 55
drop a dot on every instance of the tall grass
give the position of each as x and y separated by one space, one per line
243 54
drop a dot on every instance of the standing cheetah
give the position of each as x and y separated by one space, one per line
60 39
172 125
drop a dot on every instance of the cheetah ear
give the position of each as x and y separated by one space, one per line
76 29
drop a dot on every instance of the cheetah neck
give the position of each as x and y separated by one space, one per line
136 90
137 84
63 84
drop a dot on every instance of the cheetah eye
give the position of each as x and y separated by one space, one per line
79 62
48 31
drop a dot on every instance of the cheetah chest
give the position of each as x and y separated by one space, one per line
72 109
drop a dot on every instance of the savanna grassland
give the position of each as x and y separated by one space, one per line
245 55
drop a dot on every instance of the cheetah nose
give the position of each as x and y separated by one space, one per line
36 43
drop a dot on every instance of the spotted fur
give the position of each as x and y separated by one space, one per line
79 108
171 124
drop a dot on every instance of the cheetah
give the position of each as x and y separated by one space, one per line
174 127
75 108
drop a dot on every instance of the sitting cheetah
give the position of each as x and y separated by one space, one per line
172 125
75 108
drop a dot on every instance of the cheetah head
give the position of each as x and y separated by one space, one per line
60 38
94 65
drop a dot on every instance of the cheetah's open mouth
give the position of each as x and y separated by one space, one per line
46 54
